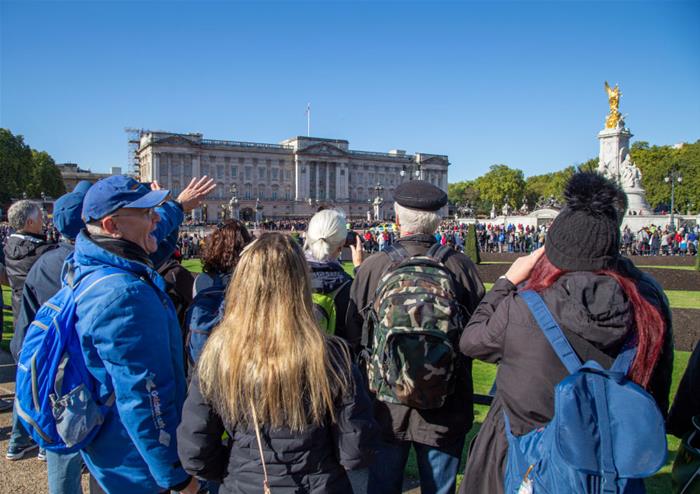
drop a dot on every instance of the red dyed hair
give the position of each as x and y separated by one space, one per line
649 324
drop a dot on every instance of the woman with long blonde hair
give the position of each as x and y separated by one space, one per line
269 369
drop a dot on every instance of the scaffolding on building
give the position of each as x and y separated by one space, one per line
133 141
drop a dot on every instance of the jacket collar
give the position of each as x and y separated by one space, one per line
89 256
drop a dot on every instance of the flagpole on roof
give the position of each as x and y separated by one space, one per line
308 120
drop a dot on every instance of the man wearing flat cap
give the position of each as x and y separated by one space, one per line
437 434
129 334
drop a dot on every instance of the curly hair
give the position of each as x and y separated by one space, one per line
223 247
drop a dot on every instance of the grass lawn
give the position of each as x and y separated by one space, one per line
683 299
679 268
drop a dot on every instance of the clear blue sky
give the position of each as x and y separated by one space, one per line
519 83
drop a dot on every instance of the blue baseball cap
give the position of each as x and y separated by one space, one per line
116 192
67 209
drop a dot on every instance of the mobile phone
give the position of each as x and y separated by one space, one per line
350 239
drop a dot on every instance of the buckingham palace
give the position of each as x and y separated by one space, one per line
289 179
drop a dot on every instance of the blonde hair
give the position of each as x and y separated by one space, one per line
325 233
268 350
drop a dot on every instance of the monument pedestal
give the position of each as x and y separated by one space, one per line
636 200
615 163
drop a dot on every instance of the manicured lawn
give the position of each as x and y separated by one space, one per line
683 299
679 268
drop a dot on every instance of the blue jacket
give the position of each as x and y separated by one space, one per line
132 345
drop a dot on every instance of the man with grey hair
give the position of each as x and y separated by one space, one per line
24 246
22 249
436 434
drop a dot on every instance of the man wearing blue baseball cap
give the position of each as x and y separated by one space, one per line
130 335
44 280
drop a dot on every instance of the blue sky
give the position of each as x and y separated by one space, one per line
519 83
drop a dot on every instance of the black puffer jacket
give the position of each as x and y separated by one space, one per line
596 318
313 461
21 252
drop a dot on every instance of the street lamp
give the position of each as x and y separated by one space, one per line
234 203
673 176
378 201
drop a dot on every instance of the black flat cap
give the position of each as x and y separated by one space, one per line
418 194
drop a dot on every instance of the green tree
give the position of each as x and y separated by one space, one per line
466 192
589 166
46 177
547 185
471 245
15 165
501 181
656 162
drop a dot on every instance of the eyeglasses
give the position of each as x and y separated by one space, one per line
145 213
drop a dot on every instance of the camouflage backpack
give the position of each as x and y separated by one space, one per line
412 329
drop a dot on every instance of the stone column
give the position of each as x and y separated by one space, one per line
155 172
298 194
195 166
318 179
328 181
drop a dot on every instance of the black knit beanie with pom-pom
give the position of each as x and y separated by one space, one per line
585 235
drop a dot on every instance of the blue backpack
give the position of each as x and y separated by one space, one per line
55 393
607 433
202 317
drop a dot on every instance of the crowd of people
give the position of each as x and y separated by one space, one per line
274 370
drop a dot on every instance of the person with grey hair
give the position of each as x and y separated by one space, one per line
22 249
24 246
437 434
326 236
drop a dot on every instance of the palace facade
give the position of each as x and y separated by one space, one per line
289 179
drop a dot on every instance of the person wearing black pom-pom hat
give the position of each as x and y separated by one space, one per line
598 298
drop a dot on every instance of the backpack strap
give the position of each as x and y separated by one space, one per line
551 330
396 253
439 252
624 360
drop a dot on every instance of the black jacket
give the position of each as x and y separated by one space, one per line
443 427
313 461
596 318
687 402
21 252
42 282
327 277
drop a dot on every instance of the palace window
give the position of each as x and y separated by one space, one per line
234 172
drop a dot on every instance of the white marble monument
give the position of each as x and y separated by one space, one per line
614 160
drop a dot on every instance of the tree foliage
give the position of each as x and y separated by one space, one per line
545 186
654 162
15 165
46 177
26 170
499 183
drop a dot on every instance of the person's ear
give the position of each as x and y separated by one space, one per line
110 226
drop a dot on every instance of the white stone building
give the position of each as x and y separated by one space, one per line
290 179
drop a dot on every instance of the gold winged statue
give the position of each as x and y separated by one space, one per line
614 101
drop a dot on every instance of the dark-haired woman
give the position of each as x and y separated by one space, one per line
222 248
598 299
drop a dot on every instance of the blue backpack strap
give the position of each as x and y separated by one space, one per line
624 360
551 330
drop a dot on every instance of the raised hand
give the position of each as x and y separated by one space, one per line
195 192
